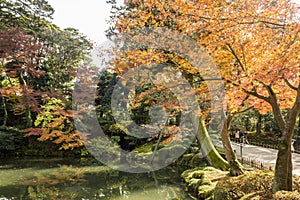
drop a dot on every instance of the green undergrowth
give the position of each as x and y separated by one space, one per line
209 183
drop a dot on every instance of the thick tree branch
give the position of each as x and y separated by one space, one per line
272 100
255 94
276 109
242 111
290 85
296 107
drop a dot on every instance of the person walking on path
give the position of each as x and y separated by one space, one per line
293 149
245 140
241 135
237 136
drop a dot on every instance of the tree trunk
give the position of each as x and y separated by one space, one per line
235 166
23 82
5 117
29 120
208 149
283 179
299 126
283 167
247 124
258 124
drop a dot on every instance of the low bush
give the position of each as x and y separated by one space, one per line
283 195
253 185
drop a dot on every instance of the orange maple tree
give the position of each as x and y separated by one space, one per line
255 44
55 123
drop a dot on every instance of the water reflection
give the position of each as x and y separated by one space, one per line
72 179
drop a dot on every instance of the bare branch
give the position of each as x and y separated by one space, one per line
264 22
231 50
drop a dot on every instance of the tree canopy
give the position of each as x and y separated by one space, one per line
38 63
255 44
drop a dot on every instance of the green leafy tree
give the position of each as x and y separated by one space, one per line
55 123
38 61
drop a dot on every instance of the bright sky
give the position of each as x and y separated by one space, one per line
89 16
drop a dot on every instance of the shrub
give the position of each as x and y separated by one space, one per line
283 195
254 185
247 186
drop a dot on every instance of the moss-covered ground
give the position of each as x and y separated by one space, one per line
208 183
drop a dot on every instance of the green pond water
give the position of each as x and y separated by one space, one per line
82 179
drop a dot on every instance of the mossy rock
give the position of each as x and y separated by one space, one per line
201 182
206 191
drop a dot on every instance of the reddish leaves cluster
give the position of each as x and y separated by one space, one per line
21 56
20 51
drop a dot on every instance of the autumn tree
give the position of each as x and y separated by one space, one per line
38 62
20 60
262 57
55 123
139 57
255 44
264 65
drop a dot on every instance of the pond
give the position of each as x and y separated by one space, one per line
84 179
